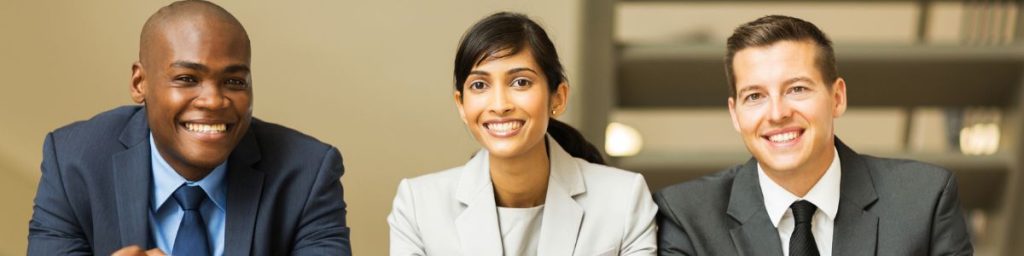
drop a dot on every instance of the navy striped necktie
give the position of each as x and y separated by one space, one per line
192 237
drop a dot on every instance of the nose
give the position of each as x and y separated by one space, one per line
211 97
500 103
780 110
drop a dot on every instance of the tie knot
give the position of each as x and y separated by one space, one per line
189 197
803 211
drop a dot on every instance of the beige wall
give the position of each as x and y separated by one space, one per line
370 77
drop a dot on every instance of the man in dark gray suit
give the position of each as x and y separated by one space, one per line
804 192
190 171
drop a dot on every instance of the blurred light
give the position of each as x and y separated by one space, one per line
979 139
622 140
979 223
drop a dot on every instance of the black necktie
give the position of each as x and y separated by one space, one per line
191 238
801 243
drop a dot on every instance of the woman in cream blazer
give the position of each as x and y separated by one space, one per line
537 187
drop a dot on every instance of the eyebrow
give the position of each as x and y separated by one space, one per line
798 79
190 65
517 70
748 88
236 68
510 71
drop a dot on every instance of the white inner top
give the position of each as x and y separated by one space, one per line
520 229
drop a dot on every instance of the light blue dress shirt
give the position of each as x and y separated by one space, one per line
165 215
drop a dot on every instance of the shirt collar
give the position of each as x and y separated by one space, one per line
824 194
166 180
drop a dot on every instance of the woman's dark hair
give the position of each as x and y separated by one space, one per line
504 34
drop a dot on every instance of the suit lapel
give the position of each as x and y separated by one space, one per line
245 188
562 215
132 178
477 225
755 235
856 229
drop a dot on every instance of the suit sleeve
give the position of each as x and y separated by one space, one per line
54 228
405 236
641 232
322 227
949 229
672 237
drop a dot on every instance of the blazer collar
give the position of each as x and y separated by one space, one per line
562 215
754 233
856 228
477 225
132 177
565 173
245 190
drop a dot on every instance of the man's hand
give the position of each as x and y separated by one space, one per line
135 250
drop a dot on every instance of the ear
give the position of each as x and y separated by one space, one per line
732 113
138 85
458 104
839 97
560 99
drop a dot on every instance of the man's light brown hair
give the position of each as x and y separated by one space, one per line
771 29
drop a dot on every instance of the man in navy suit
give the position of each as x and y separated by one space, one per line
190 171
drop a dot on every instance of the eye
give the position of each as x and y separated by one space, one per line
237 84
521 82
186 79
798 89
753 97
477 85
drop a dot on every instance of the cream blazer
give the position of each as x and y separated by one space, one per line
590 209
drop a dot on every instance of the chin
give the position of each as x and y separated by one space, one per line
502 151
784 162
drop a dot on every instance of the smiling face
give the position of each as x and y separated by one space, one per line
783 109
506 104
193 77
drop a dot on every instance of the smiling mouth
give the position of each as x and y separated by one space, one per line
206 128
784 137
504 128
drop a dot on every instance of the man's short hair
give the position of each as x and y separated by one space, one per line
771 29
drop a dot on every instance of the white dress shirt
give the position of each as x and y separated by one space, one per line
824 195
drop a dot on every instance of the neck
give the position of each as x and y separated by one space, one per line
521 181
800 180
192 173
188 171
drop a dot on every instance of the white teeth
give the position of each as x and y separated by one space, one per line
206 128
783 137
504 127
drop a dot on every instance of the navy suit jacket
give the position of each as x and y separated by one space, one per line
284 191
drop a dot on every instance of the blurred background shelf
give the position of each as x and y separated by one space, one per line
676 75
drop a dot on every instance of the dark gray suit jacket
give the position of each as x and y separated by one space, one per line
284 193
886 207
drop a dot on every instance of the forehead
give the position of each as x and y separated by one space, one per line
504 60
783 60
202 40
